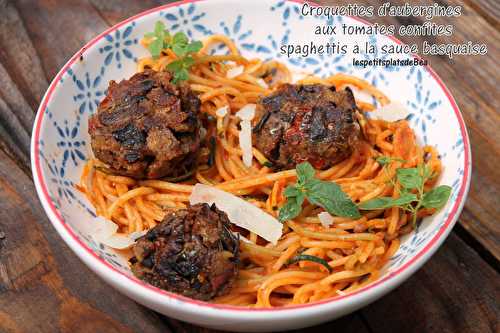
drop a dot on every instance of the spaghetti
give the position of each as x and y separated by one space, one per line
355 250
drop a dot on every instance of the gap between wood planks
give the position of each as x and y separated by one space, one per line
473 243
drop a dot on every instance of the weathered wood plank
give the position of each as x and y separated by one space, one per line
20 89
489 9
15 101
19 57
114 11
456 291
43 286
352 323
58 29
16 119
14 139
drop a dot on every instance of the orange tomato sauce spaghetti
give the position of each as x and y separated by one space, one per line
356 250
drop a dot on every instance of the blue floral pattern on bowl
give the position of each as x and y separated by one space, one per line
286 9
118 46
89 92
186 19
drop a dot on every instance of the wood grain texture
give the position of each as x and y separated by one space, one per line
454 292
59 28
19 56
489 9
353 323
114 11
45 288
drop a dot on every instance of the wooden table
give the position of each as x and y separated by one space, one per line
45 288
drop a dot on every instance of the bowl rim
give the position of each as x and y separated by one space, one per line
144 290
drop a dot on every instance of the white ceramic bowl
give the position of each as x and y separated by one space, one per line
60 145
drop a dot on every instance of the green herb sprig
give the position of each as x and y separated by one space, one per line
412 196
179 44
385 160
307 257
325 194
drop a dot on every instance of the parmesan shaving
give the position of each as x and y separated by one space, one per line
234 72
245 137
393 111
137 234
262 83
102 229
119 241
105 232
325 218
246 114
240 212
360 95
299 75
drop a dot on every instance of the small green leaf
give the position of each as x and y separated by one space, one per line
387 202
155 48
437 197
376 203
325 194
384 160
291 191
330 196
180 38
305 172
158 36
181 75
179 49
308 257
179 43
292 208
194 47
409 178
159 29
188 61
167 36
175 66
